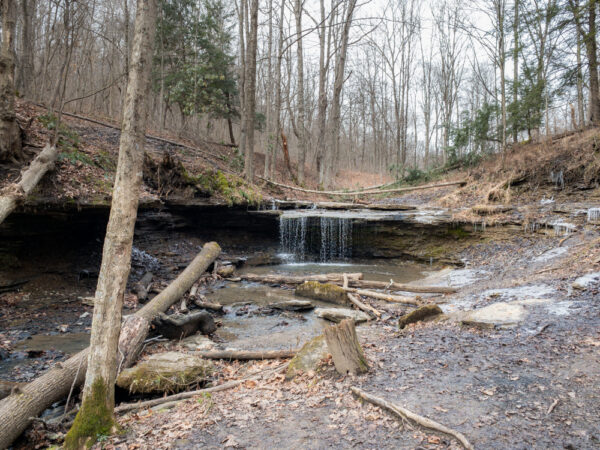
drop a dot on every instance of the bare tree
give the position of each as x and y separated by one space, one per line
96 413
250 89
10 133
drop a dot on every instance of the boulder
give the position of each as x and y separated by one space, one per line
419 314
165 373
326 292
293 305
308 358
500 314
178 326
225 271
339 314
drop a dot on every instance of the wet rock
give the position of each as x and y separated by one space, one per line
263 259
419 314
497 315
198 342
326 292
165 372
308 358
225 271
293 305
178 326
587 280
339 314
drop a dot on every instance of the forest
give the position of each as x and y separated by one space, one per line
299 223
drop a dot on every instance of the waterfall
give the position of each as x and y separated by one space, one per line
325 239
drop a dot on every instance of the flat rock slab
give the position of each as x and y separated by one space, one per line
497 315
293 305
586 281
339 314
198 342
165 372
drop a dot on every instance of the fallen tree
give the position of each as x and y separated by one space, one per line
18 410
355 280
248 355
406 414
12 194
387 297
292 279
373 192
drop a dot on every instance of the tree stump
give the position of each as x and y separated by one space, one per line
347 354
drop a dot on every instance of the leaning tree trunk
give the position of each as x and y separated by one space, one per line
96 415
346 352
17 410
250 90
10 133
13 193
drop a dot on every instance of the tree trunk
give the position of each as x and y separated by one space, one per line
17 410
286 157
28 9
96 415
592 54
291 279
347 354
42 163
250 90
10 133
515 87
300 98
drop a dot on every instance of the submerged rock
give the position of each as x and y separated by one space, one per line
326 292
165 372
293 305
419 314
587 280
497 315
308 358
339 314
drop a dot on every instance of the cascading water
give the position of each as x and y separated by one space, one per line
304 237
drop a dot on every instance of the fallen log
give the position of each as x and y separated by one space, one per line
185 395
18 409
414 301
391 285
292 279
382 191
248 355
362 306
14 193
354 280
406 414
346 352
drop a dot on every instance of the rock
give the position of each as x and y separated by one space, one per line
308 358
225 271
178 326
293 305
326 292
263 259
339 314
419 314
165 372
587 280
198 342
499 314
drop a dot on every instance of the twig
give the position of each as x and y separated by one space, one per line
71 391
552 406
405 413
185 395
362 306
542 329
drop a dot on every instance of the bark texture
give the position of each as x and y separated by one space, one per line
346 352
10 133
42 163
17 410
97 412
